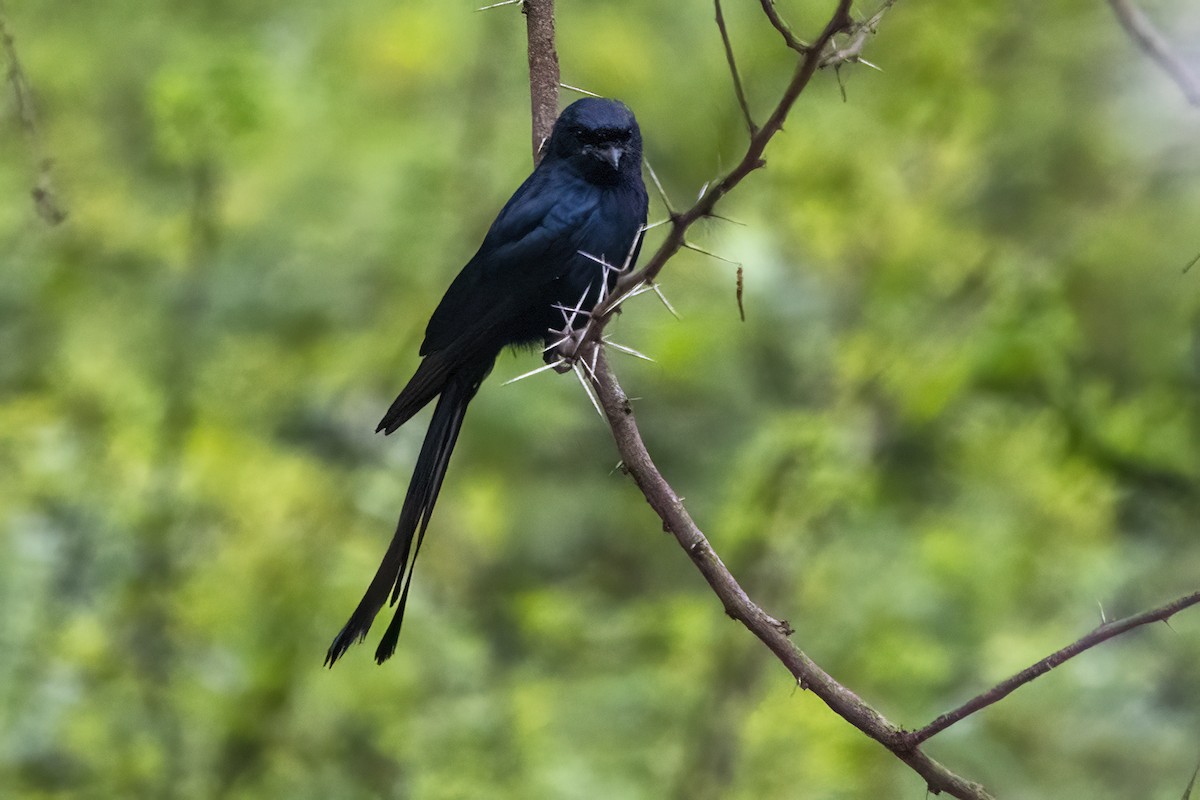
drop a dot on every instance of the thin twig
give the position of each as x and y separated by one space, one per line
751 160
781 26
1151 42
45 196
1100 634
1187 792
733 70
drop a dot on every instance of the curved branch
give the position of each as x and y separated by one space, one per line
784 29
1005 688
772 632
588 348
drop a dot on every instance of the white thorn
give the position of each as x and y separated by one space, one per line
633 246
591 368
501 3
628 350
582 297
569 86
703 189
607 267
561 307
575 311
658 291
634 292
598 259
578 370
533 372
710 254
661 191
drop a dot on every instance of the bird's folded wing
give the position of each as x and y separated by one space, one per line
531 244
472 342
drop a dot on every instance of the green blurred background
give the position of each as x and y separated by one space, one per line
959 422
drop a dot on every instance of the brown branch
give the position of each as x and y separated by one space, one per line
775 633
750 161
772 632
1005 688
1151 42
667 504
785 31
45 198
636 459
543 70
733 70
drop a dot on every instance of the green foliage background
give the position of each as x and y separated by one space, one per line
960 418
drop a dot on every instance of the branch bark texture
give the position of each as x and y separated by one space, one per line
772 632
543 70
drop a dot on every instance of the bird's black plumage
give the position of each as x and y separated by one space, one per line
584 201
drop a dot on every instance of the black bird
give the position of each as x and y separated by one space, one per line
584 201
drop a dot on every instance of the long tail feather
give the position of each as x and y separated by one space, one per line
390 578
429 379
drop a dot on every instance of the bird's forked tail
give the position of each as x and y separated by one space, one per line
395 571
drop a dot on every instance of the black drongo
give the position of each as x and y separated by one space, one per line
583 207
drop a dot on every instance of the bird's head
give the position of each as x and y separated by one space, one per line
599 138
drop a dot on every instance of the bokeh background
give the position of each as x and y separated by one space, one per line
958 425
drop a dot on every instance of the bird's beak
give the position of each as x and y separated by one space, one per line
609 154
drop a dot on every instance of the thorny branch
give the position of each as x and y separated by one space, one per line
750 161
1152 43
774 633
585 350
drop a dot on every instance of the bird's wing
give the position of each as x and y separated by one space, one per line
530 244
